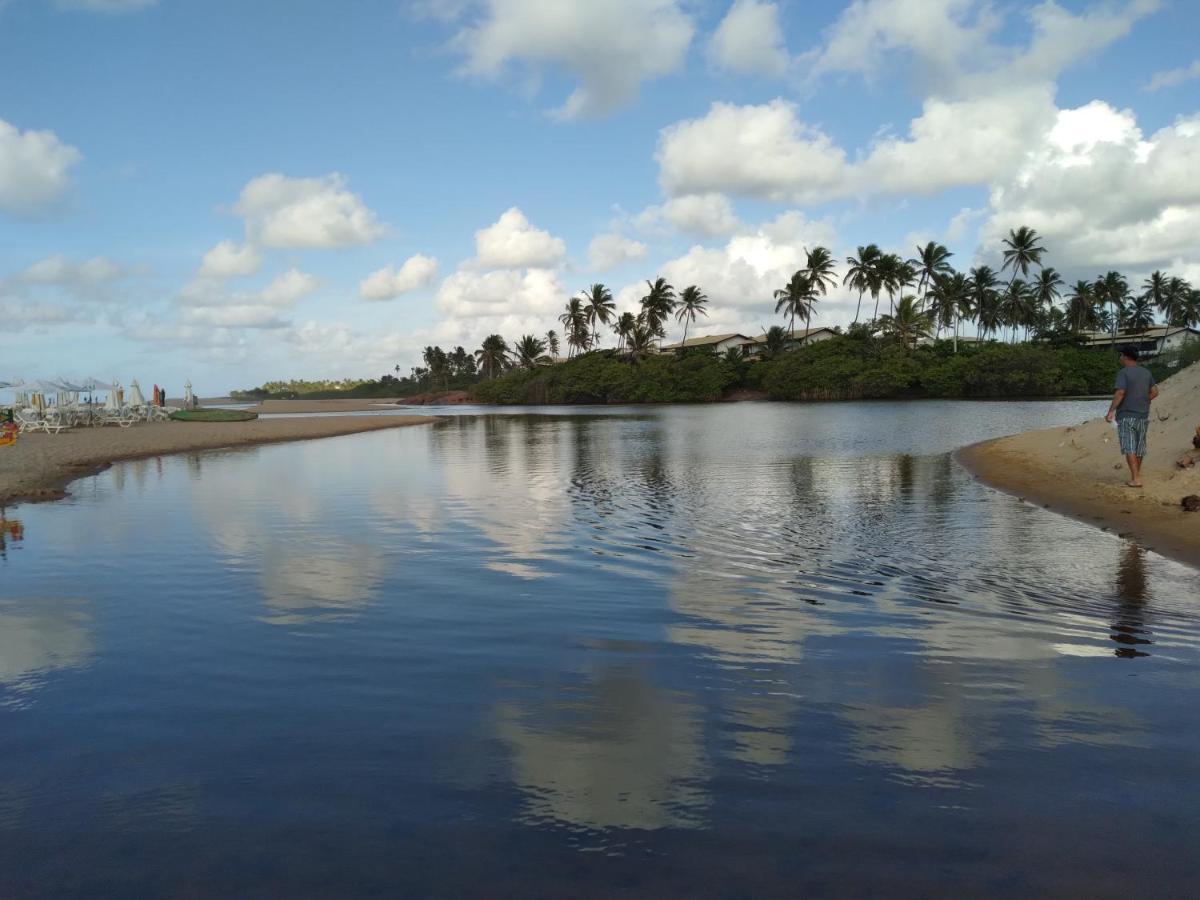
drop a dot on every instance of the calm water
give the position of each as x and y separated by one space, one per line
751 650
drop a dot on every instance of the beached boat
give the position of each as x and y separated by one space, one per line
213 415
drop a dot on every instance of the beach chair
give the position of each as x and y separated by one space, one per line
28 419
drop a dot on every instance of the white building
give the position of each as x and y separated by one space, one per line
793 339
719 343
1151 342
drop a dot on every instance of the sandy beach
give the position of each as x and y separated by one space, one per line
325 406
40 466
1078 470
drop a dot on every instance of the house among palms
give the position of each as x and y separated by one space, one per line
718 343
1150 341
792 340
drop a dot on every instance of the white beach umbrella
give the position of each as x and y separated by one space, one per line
113 401
189 399
135 394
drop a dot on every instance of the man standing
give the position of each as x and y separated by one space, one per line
1131 408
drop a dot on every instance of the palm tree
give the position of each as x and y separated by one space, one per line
640 342
1175 296
818 269
858 273
932 262
796 299
623 327
1023 250
691 304
983 299
1046 287
1187 313
1081 308
575 323
599 306
1113 289
1018 306
493 355
1141 314
552 344
1155 289
529 350
774 341
908 322
657 305
951 294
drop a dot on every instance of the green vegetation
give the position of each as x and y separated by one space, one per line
1027 339
213 415
848 367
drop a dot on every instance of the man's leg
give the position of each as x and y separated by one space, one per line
1135 469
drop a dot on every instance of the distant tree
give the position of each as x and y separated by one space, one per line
931 263
819 269
493 355
1023 249
1141 314
1081 308
599 308
528 351
623 327
692 303
575 324
552 345
859 273
908 323
795 299
774 341
639 343
657 305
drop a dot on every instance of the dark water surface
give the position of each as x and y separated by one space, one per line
747 650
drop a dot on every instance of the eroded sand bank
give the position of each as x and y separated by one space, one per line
39 466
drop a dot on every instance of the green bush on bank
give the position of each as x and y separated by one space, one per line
842 368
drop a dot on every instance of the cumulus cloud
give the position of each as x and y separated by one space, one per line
207 302
313 213
758 150
706 215
389 282
20 315
503 292
61 271
1102 194
229 260
607 251
749 40
1174 77
610 48
34 167
513 243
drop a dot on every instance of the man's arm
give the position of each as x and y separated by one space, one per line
1116 401
1153 391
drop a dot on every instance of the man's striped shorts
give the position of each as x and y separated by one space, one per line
1132 432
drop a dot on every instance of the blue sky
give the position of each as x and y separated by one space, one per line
530 149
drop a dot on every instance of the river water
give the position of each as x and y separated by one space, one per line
727 650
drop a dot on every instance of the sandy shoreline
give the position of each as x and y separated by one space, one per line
1078 471
325 406
40 466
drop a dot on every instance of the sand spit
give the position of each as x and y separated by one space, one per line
325 406
39 466
1078 470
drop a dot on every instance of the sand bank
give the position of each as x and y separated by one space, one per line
1078 470
39 466
325 406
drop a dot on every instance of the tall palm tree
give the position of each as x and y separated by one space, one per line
640 341
657 305
574 323
599 306
623 327
1023 249
528 351
951 293
552 345
1187 313
691 304
1141 314
858 273
894 275
818 269
1046 287
1155 287
1081 308
907 322
1018 306
1113 289
1174 296
983 298
931 262
796 299
493 355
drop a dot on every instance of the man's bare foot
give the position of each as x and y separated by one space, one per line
1134 484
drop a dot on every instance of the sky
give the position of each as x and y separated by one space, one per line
234 192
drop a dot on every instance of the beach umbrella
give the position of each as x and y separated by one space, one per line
114 400
189 399
135 394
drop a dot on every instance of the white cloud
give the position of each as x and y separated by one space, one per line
611 47
1174 77
107 6
235 316
288 289
19 315
305 213
63 272
390 282
707 215
505 292
33 169
760 151
512 243
1102 195
228 260
207 302
749 40
607 251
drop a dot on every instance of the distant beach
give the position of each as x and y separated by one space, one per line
40 466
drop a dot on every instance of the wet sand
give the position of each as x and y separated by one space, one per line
1078 470
40 466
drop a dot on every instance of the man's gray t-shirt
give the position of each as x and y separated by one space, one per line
1136 383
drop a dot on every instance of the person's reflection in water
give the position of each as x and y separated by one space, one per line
1129 630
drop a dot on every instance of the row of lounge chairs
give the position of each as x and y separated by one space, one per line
53 419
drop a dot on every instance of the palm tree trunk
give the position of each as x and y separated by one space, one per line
858 308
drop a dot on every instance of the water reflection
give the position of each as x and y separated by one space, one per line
611 752
42 635
11 531
1129 629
